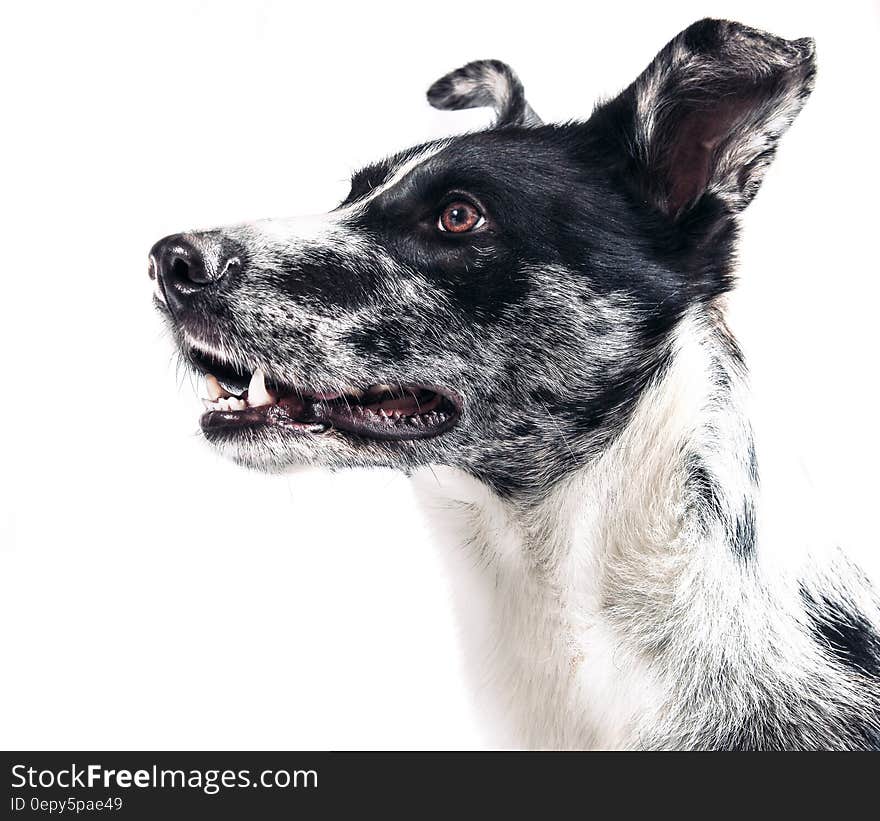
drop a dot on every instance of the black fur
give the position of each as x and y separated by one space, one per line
852 640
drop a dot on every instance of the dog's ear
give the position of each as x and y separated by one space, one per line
485 83
705 116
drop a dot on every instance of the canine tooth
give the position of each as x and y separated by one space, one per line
215 389
257 394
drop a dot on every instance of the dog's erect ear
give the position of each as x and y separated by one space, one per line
485 83
705 116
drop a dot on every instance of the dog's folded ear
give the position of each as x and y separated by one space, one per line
704 118
482 83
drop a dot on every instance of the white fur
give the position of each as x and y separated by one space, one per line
566 603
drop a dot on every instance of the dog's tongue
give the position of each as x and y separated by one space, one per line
405 404
387 398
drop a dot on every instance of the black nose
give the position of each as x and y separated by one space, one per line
183 266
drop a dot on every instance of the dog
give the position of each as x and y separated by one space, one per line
530 321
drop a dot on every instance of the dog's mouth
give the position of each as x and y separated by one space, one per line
238 401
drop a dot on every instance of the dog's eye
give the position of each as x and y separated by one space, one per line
459 217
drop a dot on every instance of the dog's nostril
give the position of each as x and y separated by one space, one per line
180 269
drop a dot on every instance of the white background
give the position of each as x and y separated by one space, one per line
153 596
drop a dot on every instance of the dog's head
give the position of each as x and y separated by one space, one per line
496 301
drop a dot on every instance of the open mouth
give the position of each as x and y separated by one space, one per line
238 401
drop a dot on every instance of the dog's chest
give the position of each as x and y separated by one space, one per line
556 660
547 668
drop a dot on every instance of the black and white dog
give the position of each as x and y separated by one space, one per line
530 320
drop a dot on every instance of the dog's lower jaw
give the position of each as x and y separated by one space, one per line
631 607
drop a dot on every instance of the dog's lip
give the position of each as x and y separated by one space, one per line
276 414
397 412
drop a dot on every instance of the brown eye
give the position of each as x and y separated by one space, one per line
459 217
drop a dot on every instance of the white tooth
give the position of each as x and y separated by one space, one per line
209 405
237 404
257 394
215 390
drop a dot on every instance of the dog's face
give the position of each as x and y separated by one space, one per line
496 301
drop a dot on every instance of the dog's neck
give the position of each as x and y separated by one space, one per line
583 586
